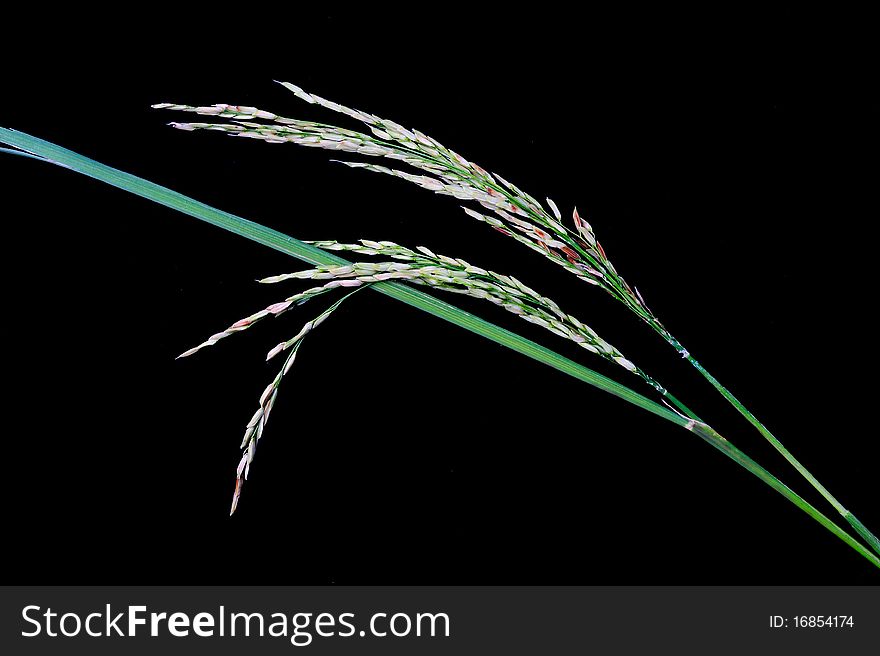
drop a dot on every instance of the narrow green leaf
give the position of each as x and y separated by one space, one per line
254 231
313 255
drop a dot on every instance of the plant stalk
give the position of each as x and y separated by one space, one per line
255 232
860 528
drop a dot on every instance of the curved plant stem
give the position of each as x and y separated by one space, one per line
307 253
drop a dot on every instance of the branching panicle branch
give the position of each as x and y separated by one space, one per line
512 212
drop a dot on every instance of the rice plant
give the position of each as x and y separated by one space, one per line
515 214
512 212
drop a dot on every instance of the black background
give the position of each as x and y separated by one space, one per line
727 164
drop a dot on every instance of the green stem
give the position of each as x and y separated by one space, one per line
712 437
305 252
860 528
766 433
681 406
